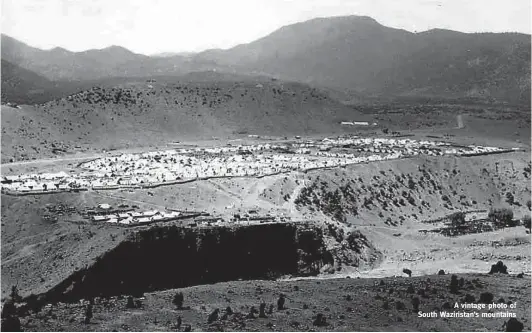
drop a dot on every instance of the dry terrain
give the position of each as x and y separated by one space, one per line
367 221
347 304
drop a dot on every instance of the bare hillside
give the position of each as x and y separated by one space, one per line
146 113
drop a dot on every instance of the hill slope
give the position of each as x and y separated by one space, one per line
140 114
60 64
19 84
359 53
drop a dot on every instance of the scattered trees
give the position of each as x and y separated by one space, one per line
501 217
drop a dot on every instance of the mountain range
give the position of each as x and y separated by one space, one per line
345 53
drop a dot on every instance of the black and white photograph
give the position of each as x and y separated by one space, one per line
265 165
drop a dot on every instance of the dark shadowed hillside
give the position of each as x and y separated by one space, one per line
19 84
359 53
142 113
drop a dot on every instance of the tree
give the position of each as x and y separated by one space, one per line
15 295
454 284
9 308
178 300
88 314
458 219
501 217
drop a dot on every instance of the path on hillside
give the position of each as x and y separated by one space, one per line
225 190
49 160
130 200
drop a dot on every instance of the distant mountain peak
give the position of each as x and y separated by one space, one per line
59 49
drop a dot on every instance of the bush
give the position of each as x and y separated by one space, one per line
501 217
514 325
499 267
486 298
320 320
130 303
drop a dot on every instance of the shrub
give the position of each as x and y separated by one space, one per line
499 267
320 320
415 304
486 298
454 284
509 198
178 300
88 314
514 325
130 302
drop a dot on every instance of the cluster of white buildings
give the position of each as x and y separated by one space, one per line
188 164
133 217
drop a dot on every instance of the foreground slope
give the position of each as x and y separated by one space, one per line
347 305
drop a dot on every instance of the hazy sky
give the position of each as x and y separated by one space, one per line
150 26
